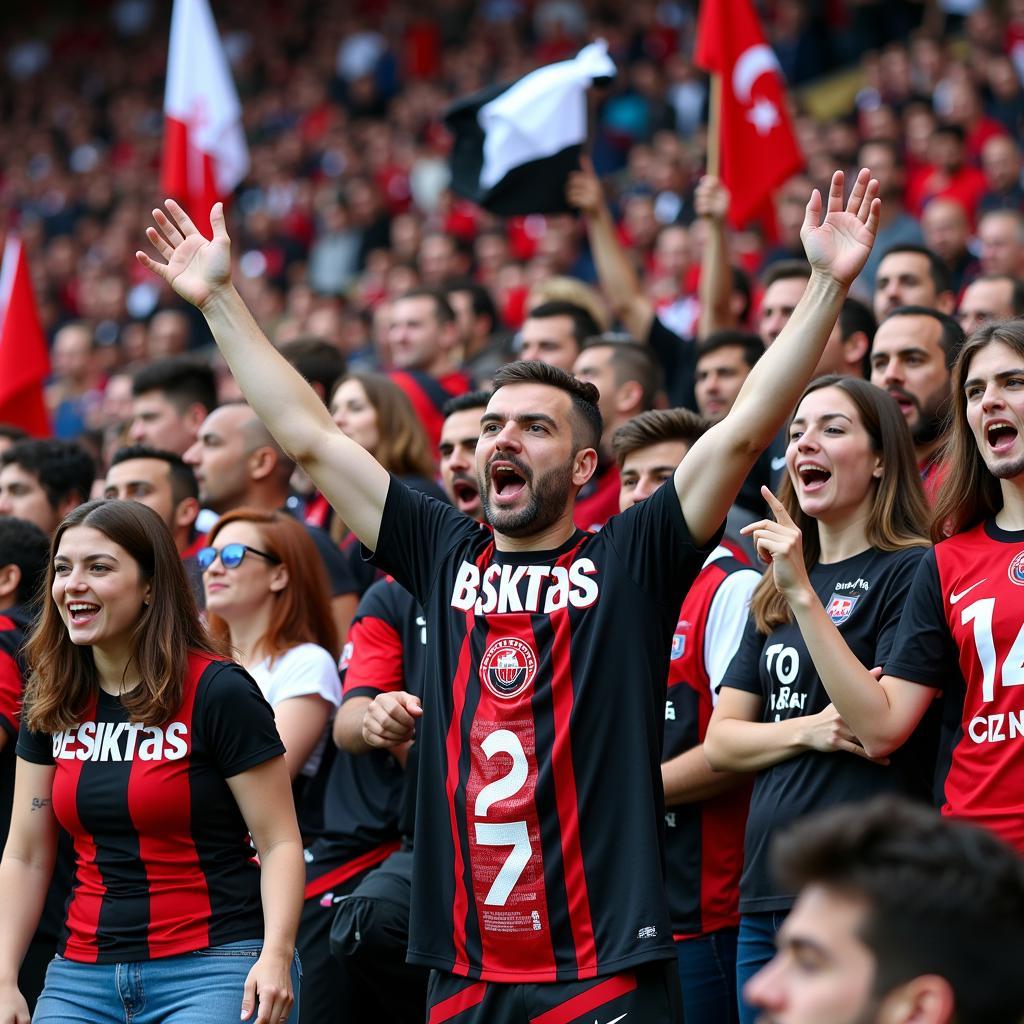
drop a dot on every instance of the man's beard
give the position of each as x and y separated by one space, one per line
548 497
931 419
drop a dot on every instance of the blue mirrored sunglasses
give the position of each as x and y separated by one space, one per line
231 556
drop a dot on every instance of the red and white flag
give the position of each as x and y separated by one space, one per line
205 155
24 357
758 148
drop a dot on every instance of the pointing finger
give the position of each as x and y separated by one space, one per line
778 509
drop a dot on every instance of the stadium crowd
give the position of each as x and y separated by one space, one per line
318 409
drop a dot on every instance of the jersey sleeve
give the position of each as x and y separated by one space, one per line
11 686
744 671
36 747
305 671
654 544
727 619
374 658
416 533
894 602
923 650
236 722
678 359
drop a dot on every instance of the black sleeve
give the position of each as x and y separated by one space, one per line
339 575
894 600
744 671
36 747
678 359
416 532
654 544
235 721
924 650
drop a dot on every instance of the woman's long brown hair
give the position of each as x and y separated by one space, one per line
302 610
899 513
62 677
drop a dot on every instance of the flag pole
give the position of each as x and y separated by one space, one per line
714 138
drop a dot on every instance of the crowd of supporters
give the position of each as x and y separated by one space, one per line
396 300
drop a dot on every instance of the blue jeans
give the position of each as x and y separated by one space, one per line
204 987
707 973
754 948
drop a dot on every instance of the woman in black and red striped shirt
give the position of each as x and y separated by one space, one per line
160 758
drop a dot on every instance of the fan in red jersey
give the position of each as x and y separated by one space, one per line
543 700
160 758
705 811
852 483
960 634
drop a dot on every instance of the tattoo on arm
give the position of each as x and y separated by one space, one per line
38 805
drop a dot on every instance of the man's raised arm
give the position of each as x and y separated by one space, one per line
710 476
200 271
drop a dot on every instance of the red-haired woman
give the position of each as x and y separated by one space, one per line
267 597
160 758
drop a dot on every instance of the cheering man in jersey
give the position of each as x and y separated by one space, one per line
538 887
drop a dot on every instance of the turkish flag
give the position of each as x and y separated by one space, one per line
205 155
24 358
758 148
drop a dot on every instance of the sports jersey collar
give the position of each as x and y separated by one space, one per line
1005 536
535 557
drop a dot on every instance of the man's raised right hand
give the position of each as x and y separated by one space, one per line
196 268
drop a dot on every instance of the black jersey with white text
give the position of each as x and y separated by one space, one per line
540 821
864 596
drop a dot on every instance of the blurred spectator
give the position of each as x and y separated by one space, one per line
1001 162
946 231
1001 234
911 275
318 361
168 334
555 332
988 298
947 173
784 284
75 393
170 399
42 481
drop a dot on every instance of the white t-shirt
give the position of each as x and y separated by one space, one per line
305 671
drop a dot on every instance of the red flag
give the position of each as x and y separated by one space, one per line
758 148
24 358
205 155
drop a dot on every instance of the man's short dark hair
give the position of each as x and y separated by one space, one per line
937 270
470 400
23 544
443 311
750 344
1016 289
319 361
856 317
941 897
183 479
631 361
13 433
587 423
785 270
952 337
583 324
654 427
480 298
182 380
64 469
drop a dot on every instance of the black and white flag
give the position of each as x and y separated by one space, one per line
515 144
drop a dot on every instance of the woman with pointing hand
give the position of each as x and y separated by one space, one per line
848 532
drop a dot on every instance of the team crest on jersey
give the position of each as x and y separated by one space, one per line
1015 570
841 606
679 639
508 667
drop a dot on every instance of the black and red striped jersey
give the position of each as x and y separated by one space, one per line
540 813
13 624
366 800
704 839
163 864
962 632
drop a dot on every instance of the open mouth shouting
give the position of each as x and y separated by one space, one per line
813 477
465 493
1000 436
81 613
506 481
906 402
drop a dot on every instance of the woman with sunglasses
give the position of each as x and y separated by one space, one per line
160 758
267 597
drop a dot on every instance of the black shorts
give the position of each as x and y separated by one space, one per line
648 994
